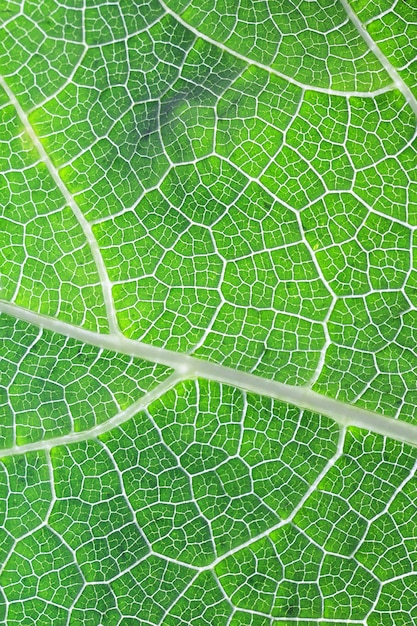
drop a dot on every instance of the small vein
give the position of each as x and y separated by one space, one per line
91 240
289 519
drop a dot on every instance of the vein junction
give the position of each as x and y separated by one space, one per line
187 367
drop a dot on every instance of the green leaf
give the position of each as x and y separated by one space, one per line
208 298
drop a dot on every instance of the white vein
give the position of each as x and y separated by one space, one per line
386 64
267 68
288 520
91 240
96 431
187 367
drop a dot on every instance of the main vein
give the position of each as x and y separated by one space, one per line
186 367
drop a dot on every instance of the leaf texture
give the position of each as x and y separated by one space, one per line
208 301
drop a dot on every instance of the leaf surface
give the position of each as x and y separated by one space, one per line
208 313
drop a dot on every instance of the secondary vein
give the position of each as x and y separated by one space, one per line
385 62
270 70
91 240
